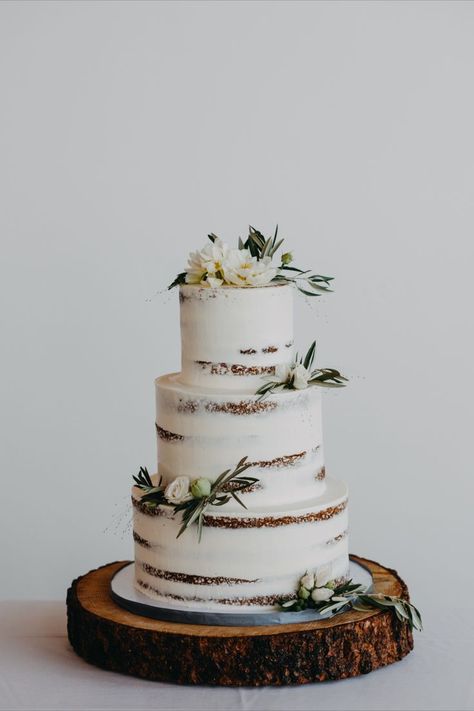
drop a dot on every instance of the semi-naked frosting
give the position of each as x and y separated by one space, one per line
203 433
231 336
208 418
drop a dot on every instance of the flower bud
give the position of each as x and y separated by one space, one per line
286 258
200 488
307 581
303 593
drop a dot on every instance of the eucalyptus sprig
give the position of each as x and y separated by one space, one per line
301 374
193 498
351 595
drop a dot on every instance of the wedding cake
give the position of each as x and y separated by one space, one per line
241 509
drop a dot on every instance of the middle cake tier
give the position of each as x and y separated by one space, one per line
202 433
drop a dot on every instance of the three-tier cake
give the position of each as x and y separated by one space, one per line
208 417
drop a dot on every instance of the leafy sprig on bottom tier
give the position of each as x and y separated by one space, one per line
192 498
323 595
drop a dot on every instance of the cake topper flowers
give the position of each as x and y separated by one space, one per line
318 591
251 264
193 497
300 374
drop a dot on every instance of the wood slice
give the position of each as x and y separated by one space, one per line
347 645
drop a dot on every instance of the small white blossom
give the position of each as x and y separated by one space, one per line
282 373
307 581
213 282
321 594
178 490
323 575
300 377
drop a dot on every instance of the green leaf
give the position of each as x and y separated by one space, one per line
275 247
309 357
180 279
293 269
239 501
307 293
193 509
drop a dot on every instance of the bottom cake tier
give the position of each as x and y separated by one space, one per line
250 559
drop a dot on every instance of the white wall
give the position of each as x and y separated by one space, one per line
130 130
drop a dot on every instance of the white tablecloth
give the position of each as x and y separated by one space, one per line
39 670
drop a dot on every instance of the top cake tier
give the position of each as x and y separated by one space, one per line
231 337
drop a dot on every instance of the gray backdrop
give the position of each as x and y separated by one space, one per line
130 130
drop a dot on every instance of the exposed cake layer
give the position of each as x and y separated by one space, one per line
203 433
233 564
232 336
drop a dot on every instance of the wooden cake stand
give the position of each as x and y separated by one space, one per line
346 645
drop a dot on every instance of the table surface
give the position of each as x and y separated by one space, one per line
39 670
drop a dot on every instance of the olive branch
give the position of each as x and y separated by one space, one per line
351 595
193 508
323 377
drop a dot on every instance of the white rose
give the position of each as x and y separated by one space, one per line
323 575
321 594
307 581
178 490
300 377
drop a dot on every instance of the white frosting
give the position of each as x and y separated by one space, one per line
208 418
216 430
272 558
229 329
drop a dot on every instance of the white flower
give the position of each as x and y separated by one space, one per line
217 264
178 490
206 265
213 282
307 581
241 269
237 263
321 594
323 575
282 373
261 272
213 257
195 269
300 377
